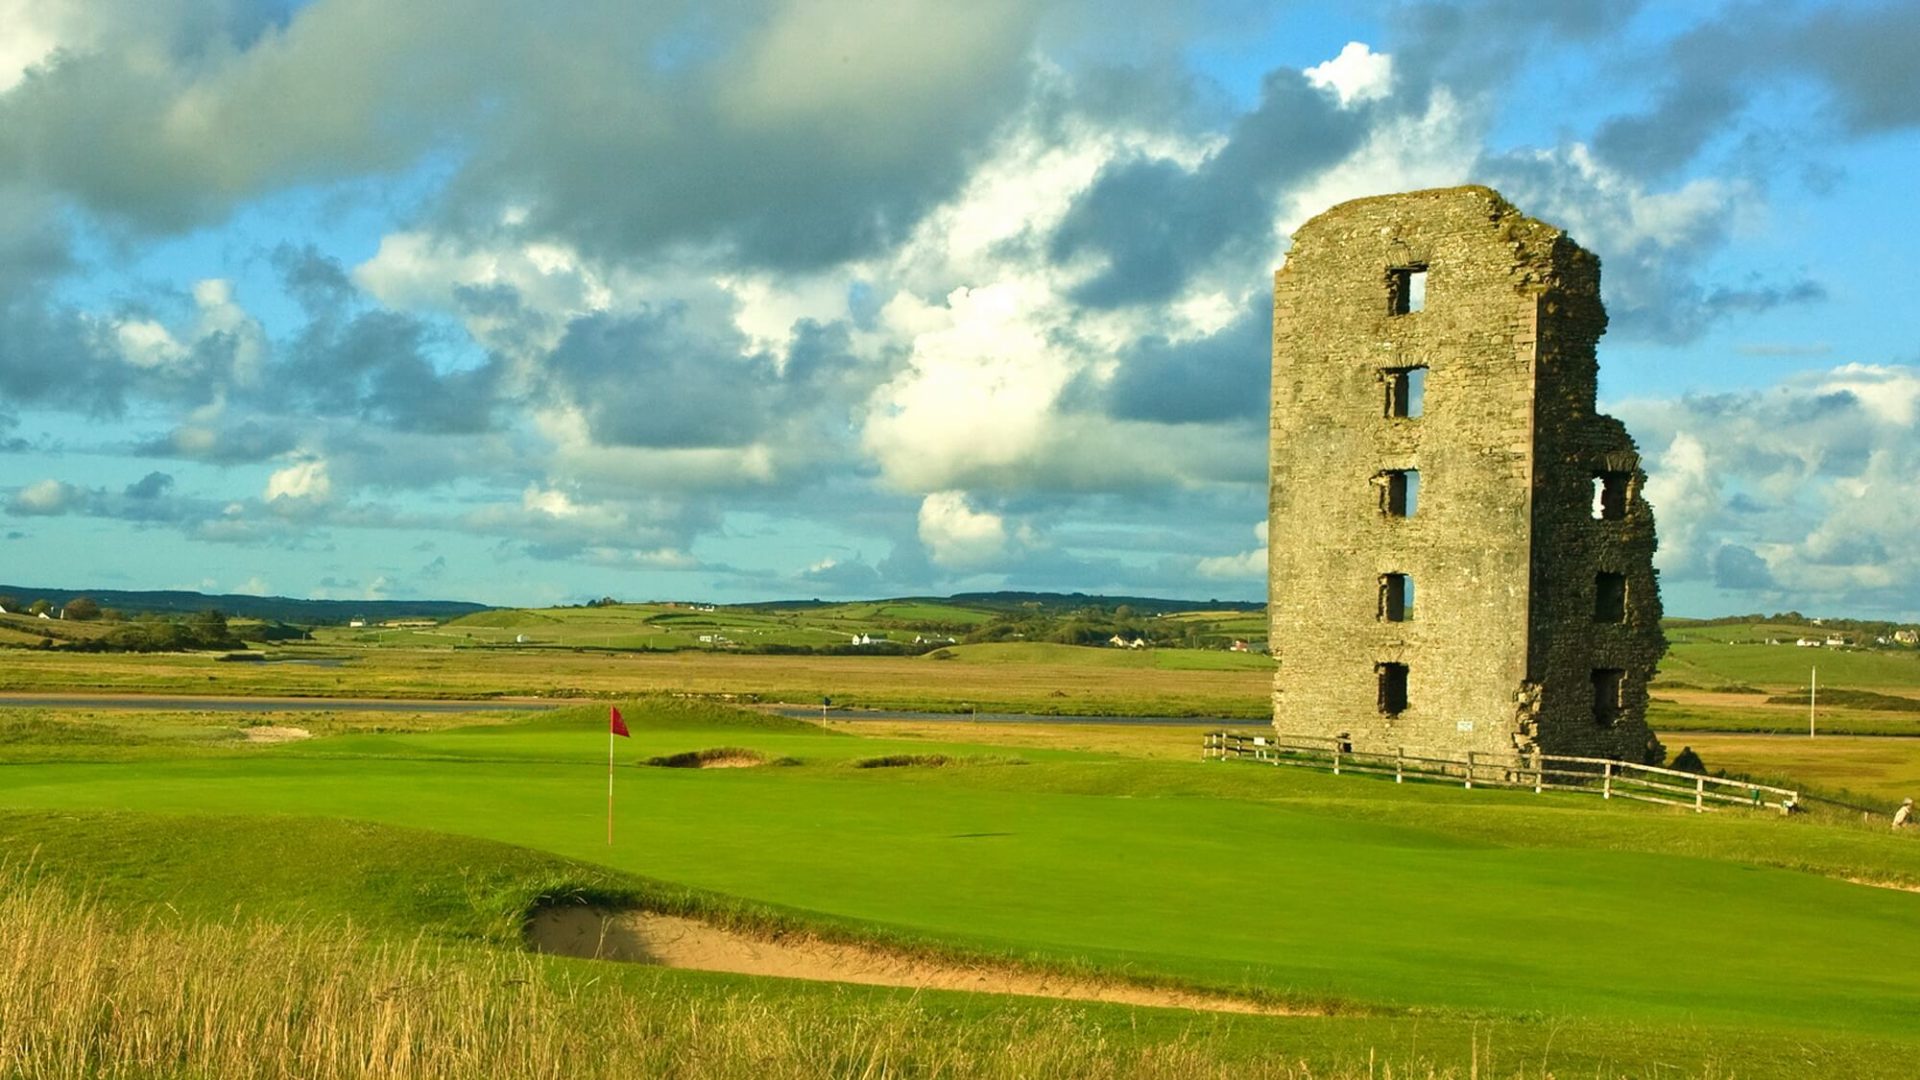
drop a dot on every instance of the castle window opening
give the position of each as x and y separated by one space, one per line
1406 290
1396 598
1609 597
1393 688
1399 492
1406 391
1607 684
1610 495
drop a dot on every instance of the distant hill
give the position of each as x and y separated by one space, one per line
1146 604
281 608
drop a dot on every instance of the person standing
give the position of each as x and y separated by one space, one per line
1903 817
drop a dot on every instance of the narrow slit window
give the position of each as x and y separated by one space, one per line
1406 391
1399 492
1610 495
1406 290
1607 687
1396 598
1393 688
1609 597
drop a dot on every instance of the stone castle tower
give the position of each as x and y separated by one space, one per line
1461 558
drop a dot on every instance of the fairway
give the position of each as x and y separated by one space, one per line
1225 876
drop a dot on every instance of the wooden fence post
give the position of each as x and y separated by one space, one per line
1469 768
1336 757
1606 785
1700 795
1539 778
1399 764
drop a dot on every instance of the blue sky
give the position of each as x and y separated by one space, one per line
743 300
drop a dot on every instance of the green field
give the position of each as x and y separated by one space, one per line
1608 938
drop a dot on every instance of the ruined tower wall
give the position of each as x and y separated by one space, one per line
1501 546
1571 637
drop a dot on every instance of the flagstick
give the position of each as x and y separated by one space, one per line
609 785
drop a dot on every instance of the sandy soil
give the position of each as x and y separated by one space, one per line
730 763
272 733
1901 886
672 941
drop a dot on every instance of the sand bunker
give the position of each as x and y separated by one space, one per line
272 734
1900 886
672 941
718 757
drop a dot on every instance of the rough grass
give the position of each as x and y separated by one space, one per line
371 955
85 993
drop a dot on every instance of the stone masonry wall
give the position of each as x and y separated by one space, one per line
1502 548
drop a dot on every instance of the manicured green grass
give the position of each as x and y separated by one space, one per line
1490 903
315 922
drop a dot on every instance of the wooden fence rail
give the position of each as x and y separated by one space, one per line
1542 772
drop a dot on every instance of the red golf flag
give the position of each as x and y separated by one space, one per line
615 724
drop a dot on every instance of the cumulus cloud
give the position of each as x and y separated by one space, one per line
1357 74
304 482
1248 564
1803 489
949 277
43 498
956 534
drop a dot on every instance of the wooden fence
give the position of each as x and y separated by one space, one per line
1542 772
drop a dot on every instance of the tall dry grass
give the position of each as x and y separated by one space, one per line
84 993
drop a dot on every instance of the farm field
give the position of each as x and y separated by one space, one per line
1874 772
1436 924
1007 678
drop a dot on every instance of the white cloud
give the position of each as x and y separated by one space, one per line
1251 563
980 389
306 481
1684 493
956 534
43 498
147 344
1811 478
1357 74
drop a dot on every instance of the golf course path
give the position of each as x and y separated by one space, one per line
676 942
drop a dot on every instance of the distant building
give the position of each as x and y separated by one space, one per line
356 623
1907 637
